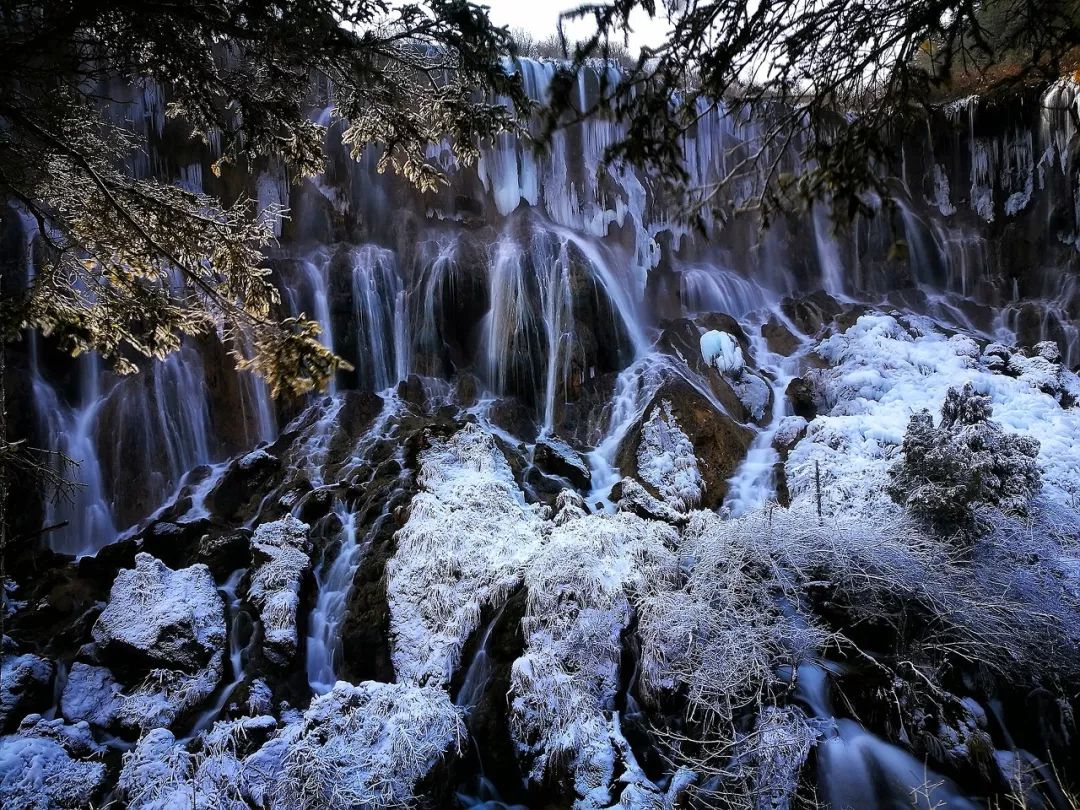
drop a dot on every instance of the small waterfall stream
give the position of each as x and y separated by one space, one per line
324 643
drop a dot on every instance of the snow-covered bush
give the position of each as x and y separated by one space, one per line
884 368
581 588
366 746
466 542
966 462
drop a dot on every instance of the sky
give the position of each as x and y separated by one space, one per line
541 18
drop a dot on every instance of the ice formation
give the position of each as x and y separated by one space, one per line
721 350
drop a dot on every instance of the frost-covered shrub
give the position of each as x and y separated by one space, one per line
366 746
967 461
581 589
468 537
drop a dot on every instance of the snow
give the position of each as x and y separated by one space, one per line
281 552
666 460
721 350
41 769
468 537
883 370
169 618
364 746
580 589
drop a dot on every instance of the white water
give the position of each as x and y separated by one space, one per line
240 637
754 482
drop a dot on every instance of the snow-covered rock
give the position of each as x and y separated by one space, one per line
23 678
360 746
722 351
556 456
666 460
44 767
157 617
93 694
468 537
281 556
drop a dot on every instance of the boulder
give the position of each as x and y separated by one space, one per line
811 313
720 443
25 684
42 766
160 618
779 338
555 456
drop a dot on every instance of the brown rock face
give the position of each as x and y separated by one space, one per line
812 312
720 443
779 338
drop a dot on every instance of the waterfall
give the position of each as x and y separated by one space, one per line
323 644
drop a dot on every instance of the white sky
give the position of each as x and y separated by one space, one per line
541 17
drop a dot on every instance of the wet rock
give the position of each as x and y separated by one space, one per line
555 456
802 395
241 484
175 544
811 313
720 443
779 338
511 415
225 552
157 617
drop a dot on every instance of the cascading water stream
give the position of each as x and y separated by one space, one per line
754 482
335 581
240 636
323 643
858 769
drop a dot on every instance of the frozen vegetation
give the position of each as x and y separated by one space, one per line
466 543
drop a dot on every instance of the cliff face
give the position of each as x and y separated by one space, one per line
537 527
